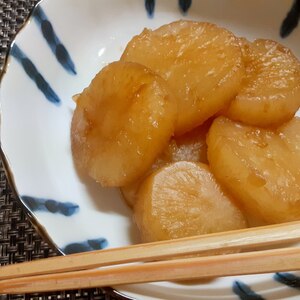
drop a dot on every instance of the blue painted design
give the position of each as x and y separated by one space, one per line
185 5
288 279
291 20
89 245
244 291
58 49
48 205
35 75
150 5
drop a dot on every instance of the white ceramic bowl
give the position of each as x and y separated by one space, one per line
64 44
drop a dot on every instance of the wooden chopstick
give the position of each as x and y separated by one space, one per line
250 238
276 260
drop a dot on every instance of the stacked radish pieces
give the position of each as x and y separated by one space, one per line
197 128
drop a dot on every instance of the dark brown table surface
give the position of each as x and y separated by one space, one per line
18 239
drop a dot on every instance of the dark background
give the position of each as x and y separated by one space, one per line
18 239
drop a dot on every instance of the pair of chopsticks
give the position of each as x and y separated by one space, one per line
160 261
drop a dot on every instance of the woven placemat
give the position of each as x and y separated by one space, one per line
19 241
